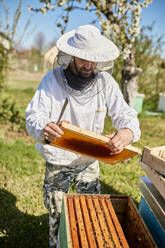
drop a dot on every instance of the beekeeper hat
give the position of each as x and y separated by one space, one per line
86 42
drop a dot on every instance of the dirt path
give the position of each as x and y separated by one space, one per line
20 75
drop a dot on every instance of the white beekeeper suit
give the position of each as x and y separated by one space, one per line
86 108
105 97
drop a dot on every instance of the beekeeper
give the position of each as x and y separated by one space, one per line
88 92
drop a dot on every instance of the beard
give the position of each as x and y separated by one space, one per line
83 71
79 78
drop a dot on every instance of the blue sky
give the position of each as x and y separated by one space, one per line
46 23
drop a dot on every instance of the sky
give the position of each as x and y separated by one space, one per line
46 24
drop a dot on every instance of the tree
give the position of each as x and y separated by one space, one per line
148 52
119 20
4 50
39 42
9 40
8 37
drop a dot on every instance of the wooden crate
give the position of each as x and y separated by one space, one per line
90 144
154 158
157 179
153 163
154 200
102 221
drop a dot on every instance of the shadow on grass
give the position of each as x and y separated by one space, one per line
18 229
107 189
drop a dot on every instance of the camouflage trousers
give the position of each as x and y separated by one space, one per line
58 180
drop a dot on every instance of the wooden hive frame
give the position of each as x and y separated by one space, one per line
90 144
102 221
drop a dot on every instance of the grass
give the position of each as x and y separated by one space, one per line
23 217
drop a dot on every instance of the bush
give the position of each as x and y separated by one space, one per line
10 113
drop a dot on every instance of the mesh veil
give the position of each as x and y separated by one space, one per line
91 90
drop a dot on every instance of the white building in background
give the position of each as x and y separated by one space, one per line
49 57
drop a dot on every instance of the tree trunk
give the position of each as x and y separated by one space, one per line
130 79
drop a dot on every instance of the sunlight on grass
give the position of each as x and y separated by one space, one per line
122 178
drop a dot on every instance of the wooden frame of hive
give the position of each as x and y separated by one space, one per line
102 221
154 157
90 144
153 163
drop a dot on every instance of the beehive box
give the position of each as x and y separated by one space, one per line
153 163
154 158
90 144
157 179
102 221
152 210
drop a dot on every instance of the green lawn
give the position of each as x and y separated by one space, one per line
23 218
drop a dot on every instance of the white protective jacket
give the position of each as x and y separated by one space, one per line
86 110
